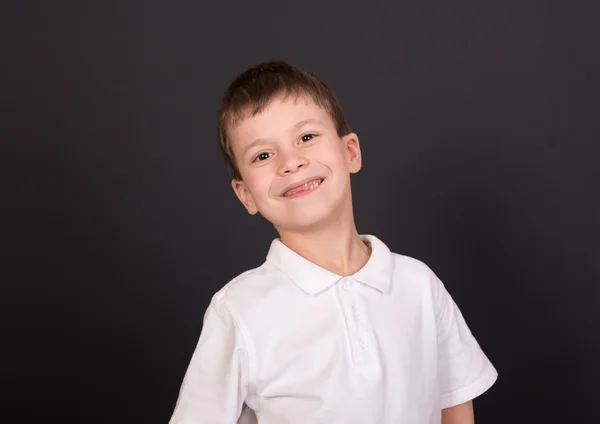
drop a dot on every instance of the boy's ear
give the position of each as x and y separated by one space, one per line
244 195
352 146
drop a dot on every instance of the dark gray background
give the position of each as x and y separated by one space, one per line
479 128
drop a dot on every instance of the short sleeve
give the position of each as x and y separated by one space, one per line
465 372
216 381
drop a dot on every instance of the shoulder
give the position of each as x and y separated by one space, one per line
247 290
416 275
408 268
409 264
237 285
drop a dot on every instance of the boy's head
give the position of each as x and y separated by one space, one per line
287 145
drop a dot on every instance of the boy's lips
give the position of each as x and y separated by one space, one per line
302 188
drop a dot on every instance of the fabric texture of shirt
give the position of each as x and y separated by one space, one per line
300 344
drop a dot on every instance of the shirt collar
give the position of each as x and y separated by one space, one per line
313 279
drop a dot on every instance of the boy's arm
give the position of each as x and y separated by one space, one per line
459 414
216 381
465 372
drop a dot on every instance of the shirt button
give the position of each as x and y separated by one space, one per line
363 343
347 284
355 311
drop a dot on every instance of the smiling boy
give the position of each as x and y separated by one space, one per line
333 327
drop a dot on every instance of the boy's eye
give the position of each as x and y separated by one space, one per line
307 137
263 156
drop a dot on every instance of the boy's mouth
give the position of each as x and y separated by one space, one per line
304 188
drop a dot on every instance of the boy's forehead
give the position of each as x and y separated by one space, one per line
281 114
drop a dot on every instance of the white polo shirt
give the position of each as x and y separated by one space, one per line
302 345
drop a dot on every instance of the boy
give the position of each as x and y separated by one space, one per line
332 327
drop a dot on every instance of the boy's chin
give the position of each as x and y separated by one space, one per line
305 223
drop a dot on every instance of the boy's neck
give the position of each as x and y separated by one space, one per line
336 248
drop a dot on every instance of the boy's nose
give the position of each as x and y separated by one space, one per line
292 163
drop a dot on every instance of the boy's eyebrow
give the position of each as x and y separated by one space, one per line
295 127
307 121
251 145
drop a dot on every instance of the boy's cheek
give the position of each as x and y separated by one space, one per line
259 189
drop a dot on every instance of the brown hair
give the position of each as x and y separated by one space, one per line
252 91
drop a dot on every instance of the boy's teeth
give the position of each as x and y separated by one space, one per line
306 186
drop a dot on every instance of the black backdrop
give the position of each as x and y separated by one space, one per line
479 128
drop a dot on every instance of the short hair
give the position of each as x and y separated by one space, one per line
252 91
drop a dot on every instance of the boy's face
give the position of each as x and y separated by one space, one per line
295 168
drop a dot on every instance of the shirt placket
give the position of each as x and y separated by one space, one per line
358 331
